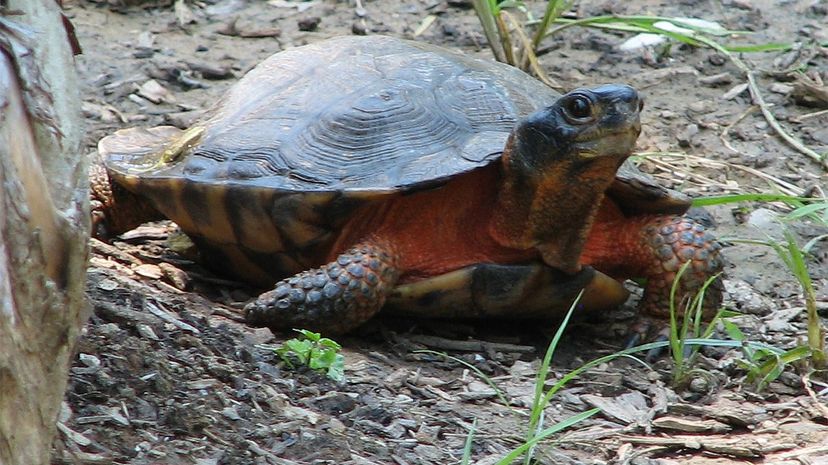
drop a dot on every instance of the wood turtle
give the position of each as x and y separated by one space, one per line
363 171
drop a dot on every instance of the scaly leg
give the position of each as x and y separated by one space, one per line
674 241
334 298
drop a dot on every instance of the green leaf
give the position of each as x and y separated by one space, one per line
336 370
330 343
323 359
769 47
733 331
310 335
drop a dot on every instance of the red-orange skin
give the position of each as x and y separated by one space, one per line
448 228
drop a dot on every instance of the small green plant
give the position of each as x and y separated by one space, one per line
691 327
315 352
794 259
764 364
535 430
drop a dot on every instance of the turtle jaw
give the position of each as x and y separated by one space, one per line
556 167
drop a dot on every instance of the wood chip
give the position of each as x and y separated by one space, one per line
74 436
201 383
108 250
153 91
688 425
176 276
470 345
630 407
735 91
148 270
169 318
737 446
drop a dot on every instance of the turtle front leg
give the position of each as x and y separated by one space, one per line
672 242
334 298
656 247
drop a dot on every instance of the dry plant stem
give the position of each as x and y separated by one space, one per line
529 52
793 142
723 136
783 186
760 101
816 334
486 16
806 383
505 38
815 114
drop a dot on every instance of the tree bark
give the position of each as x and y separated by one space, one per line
43 225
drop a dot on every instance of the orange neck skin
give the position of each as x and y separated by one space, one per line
451 227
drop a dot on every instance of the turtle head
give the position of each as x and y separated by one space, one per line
557 164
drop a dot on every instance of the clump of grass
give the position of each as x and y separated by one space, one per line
689 326
682 338
793 256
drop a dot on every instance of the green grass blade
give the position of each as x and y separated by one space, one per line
467 446
554 8
810 244
510 457
808 210
760 48
543 371
707 201
486 11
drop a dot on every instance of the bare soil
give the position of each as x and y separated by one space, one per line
167 372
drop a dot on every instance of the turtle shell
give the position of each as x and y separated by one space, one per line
267 179
353 114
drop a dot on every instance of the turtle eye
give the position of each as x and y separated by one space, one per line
579 108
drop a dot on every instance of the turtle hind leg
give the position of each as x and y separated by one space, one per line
334 298
114 209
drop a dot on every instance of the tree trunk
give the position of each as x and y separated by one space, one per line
43 225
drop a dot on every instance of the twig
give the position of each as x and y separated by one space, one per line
763 106
783 186
730 126
529 52
505 39
486 16
815 114
470 345
806 383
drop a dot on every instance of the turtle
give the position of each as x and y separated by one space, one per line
358 173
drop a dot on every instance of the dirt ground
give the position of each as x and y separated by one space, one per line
166 371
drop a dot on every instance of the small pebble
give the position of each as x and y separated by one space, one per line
309 24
